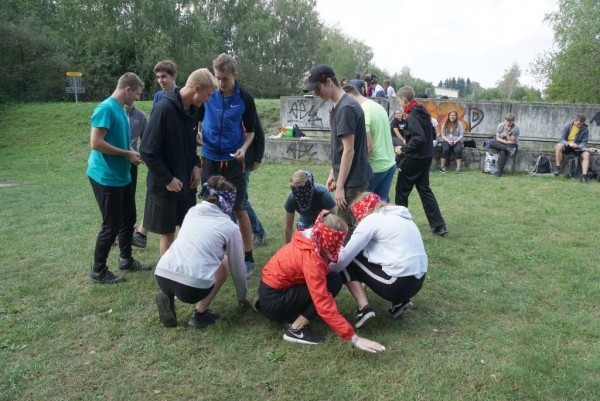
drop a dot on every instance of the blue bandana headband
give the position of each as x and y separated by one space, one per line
226 198
304 193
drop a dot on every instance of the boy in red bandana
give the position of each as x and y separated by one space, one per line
418 152
297 285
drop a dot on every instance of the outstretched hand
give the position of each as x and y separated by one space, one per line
369 346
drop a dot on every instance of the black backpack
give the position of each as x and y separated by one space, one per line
573 168
542 165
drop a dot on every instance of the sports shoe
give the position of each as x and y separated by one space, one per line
512 151
203 319
105 277
249 268
583 179
498 174
362 315
396 310
458 170
259 240
557 171
303 335
441 230
133 264
139 240
166 310
443 170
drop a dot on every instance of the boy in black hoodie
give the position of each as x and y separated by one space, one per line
169 151
418 151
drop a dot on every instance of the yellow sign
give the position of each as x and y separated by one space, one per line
73 74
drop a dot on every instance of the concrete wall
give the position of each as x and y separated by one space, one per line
319 151
537 121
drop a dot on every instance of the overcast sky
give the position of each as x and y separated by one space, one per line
439 39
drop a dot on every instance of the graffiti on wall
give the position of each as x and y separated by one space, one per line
304 112
300 151
469 118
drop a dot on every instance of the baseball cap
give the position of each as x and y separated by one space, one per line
316 75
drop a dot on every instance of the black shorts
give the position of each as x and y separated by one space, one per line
184 293
162 215
233 171
569 149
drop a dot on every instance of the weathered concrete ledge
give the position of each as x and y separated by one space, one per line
319 151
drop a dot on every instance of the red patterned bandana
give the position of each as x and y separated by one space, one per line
365 206
327 240
410 106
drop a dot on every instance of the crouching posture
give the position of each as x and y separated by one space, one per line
386 253
195 267
297 285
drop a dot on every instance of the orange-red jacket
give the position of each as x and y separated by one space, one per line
298 263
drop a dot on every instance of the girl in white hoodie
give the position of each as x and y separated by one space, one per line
208 247
386 253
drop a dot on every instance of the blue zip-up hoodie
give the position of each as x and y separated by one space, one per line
222 130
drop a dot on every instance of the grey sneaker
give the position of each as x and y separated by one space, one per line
303 335
249 268
396 310
139 240
133 264
166 310
202 320
512 151
443 170
441 230
458 170
362 315
105 277
557 171
256 304
259 240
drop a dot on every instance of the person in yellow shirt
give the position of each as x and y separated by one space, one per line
573 138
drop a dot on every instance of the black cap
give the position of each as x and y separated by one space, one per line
316 75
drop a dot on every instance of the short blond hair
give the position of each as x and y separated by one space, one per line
334 222
203 78
407 93
510 117
298 178
225 63
130 80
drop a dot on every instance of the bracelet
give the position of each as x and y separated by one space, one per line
354 340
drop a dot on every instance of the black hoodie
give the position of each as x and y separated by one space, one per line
418 134
169 146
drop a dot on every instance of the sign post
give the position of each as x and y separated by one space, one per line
74 78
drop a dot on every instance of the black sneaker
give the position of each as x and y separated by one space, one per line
256 304
396 310
361 316
105 277
441 230
133 264
557 171
583 179
498 174
166 310
203 319
303 335
139 240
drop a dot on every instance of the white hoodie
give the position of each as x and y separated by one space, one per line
200 246
390 239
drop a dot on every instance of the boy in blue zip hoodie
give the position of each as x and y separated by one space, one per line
228 111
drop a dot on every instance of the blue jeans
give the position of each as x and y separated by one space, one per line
381 183
257 227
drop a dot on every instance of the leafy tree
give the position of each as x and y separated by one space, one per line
571 71
509 82
440 84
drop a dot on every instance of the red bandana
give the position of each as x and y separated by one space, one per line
410 106
365 206
327 240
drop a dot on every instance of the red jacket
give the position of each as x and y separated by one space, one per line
298 263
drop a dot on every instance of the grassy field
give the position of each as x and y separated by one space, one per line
509 311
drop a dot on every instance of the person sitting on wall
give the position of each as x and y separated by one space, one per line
573 139
452 136
506 141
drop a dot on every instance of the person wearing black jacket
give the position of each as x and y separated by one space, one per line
169 151
418 152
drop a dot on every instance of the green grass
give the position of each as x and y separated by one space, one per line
509 311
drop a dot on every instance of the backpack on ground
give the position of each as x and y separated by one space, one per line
297 132
490 164
542 165
573 168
